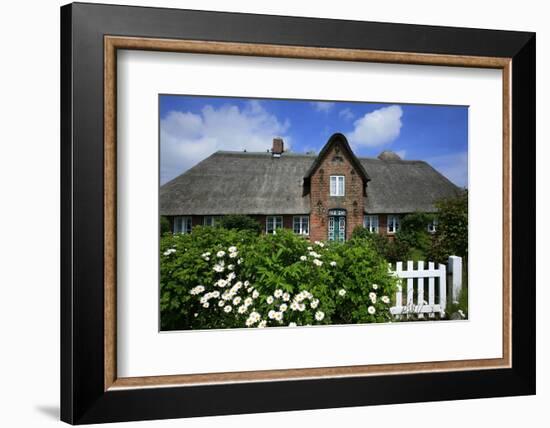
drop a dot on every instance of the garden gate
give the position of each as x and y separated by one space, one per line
437 287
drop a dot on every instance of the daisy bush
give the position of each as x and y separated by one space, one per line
217 278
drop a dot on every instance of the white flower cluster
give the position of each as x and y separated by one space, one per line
233 296
316 256
169 251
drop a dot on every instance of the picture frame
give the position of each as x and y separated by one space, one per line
91 391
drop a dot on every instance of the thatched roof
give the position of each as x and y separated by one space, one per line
404 186
258 183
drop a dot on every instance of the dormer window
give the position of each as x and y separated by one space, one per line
337 185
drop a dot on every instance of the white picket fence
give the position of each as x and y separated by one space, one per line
416 301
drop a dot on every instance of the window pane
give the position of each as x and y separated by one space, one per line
340 186
296 224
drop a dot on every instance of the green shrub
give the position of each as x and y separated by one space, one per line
164 225
393 250
240 222
414 234
218 278
451 237
363 274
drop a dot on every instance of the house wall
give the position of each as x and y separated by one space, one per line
335 162
319 231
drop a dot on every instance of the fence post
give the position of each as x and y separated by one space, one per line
455 283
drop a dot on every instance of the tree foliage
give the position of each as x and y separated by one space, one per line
240 222
451 237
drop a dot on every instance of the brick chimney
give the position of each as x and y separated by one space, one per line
278 147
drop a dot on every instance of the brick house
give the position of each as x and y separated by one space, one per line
322 196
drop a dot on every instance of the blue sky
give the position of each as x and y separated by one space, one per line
193 127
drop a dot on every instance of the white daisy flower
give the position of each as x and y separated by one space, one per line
269 300
286 297
385 299
197 290
218 268
232 249
317 262
262 324
206 305
228 308
333 264
221 303
239 261
278 293
169 251
255 294
375 286
221 283
242 309
314 304
230 267
233 255
248 301
371 310
271 314
236 300
372 296
302 307
294 306
283 307
319 315
220 253
278 316
303 258
342 292
246 283
309 248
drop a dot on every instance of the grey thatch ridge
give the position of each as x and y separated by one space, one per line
258 184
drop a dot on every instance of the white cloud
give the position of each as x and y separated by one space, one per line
454 166
322 106
186 138
346 114
377 128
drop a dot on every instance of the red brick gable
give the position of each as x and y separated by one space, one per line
336 159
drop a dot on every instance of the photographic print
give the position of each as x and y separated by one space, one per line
297 213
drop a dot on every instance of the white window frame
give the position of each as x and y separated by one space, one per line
302 221
337 185
213 220
183 224
371 223
276 223
393 224
432 226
